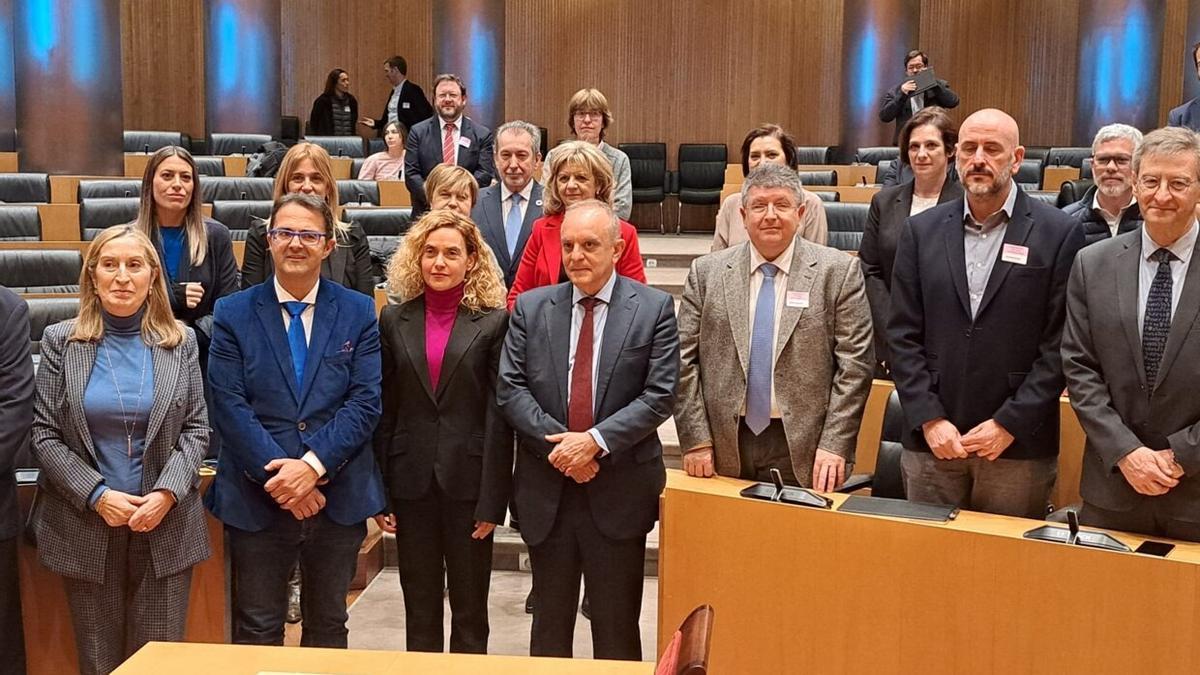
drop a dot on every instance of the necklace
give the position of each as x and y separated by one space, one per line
126 422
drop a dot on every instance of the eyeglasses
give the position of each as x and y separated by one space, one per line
589 114
308 238
1177 186
1121 161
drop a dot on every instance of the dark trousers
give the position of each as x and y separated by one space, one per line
611 568
262 562
768 450
434 534
1145 518
1009 487
114 619
12 636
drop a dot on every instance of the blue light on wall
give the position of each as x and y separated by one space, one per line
85 38
242 66
482 56
865 88
41 30
1119 65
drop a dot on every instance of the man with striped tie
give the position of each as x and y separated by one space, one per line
775 348
1131 352
449 137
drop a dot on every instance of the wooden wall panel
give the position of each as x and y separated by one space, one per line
1016 55
162 65
357 36
1176 63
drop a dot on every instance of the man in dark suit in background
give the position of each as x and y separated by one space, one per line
505 212
1188 114
295 372
977 314
406 104
900 103
16 414
1131 353
447 138
588 374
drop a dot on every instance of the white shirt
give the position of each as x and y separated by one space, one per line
784 263
306 318
921 204
456 136
1147 268
506 203
1113 219
393 115
599 317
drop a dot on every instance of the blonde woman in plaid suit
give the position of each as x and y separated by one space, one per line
120 429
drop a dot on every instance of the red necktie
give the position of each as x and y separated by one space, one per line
448 145
579 406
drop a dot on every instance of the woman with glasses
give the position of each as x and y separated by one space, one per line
306 168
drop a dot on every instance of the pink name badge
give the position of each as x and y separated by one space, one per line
464 141
1014 253
796 299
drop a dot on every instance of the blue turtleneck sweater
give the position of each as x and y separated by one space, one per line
125 363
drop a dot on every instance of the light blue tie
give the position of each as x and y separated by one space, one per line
296 341
512 226
762 349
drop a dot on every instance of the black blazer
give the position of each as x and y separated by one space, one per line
455 435
16 402
320 120
877 251
895 105
489 216
637 372
412 109
423 151
348 265
1094 227
219 276
1004 364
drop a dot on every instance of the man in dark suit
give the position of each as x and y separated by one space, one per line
977 312
1131 353
447 138
901 102
1188 114
587 375
505 212
295 371
16 414
406 104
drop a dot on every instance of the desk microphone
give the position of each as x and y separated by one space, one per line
243 149
1073 526
777 479
146 148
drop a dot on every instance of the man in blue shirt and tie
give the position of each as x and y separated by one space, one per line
294 368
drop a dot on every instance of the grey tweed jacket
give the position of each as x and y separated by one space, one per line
73 538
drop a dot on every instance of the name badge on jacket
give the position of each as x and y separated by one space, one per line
796 299
406 105
1015 253
464 141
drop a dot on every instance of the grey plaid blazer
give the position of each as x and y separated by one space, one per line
72 538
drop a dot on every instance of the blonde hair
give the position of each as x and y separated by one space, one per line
321 162
159 326
589 100
587 156
452 177
484 285
193 218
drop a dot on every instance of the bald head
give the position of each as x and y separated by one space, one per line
988 155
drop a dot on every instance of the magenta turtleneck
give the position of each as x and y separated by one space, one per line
440 309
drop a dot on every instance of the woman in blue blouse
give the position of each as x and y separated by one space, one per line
120 429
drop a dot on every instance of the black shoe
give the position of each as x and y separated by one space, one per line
529 603
585 608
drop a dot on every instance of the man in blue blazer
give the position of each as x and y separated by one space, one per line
1188 114
294 367
587 375
506 231
449 137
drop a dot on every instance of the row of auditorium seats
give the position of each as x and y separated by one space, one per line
217 188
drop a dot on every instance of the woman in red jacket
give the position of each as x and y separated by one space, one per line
578 171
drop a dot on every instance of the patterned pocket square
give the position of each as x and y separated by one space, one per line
347 347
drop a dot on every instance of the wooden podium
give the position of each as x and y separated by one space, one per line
796 589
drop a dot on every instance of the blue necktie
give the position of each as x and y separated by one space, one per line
296 339
512 226
1157 322
762 350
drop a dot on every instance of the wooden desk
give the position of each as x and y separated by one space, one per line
65 189
1054 176
342 167
394 193
49 638
810 590
9 162
235 165
135 164
847 174
851 194
188 659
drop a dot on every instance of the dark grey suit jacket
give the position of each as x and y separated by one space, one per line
488 215
72 538
16 401
637 372
1102 360
423 151
1186 115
